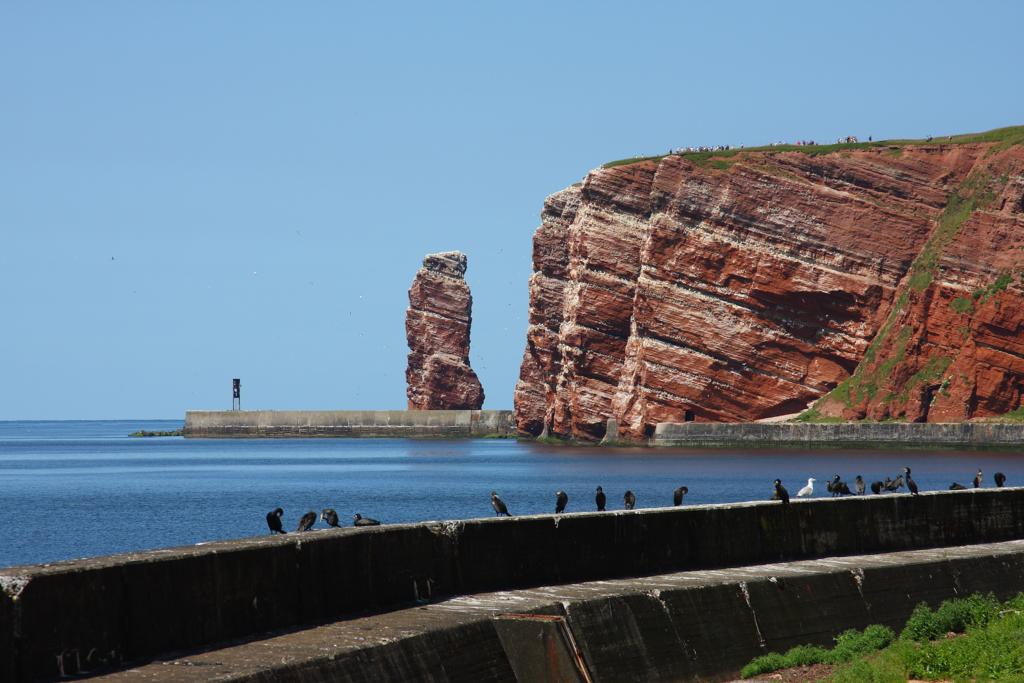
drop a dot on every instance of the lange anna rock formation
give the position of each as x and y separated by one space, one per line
872 281
437 327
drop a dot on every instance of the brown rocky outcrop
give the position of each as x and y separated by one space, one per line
437 325
752 285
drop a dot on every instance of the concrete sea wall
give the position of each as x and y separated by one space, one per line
350 423
697 625
840 435
100 612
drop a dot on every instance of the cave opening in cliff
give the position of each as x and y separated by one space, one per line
688 416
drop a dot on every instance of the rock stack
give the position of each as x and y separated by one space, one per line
437 327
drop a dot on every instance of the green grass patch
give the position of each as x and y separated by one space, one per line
991 647
952 616
933 369
812 414
633 160
962 304
1000 285
849 644
1004 137
886 666
1015 415
974 193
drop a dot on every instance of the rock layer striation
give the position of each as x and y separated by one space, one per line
437 326
885 280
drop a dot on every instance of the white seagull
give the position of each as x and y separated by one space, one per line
807 491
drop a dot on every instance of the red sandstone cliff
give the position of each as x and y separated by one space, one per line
752 285
437 325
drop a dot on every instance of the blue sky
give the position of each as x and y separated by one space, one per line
194 191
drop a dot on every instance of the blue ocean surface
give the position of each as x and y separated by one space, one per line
79 489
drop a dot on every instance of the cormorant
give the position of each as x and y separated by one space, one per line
629 500
977 479
274 521
894 484
359 520
957 487
307 521
838 487
499 505
677 495
911 484
330 516
781 493
600 499
1000 479
807 491
561 500
858 485
876 487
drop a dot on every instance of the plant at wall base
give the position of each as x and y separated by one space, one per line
849 644
965 639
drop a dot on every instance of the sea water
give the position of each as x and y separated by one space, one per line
78 489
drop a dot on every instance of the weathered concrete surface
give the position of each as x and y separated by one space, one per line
846 434
85 614
699 625
346 423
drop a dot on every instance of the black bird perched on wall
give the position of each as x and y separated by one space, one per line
274 521
977 479
877 486
307 521
858 485
561 500
359 520
330 516
499 505
957 487
894 484
629 500
677 495
1000 479
600 499
911 484
838 487
781 493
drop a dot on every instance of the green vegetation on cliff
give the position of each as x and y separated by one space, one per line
1006 137
874 371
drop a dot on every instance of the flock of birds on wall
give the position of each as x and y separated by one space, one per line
836 486
307 520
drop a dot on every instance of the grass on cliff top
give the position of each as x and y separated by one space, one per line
1005 137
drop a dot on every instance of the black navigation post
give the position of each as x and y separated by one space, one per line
236 394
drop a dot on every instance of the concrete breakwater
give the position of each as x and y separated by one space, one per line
840 435
103 612
351 423
684 626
